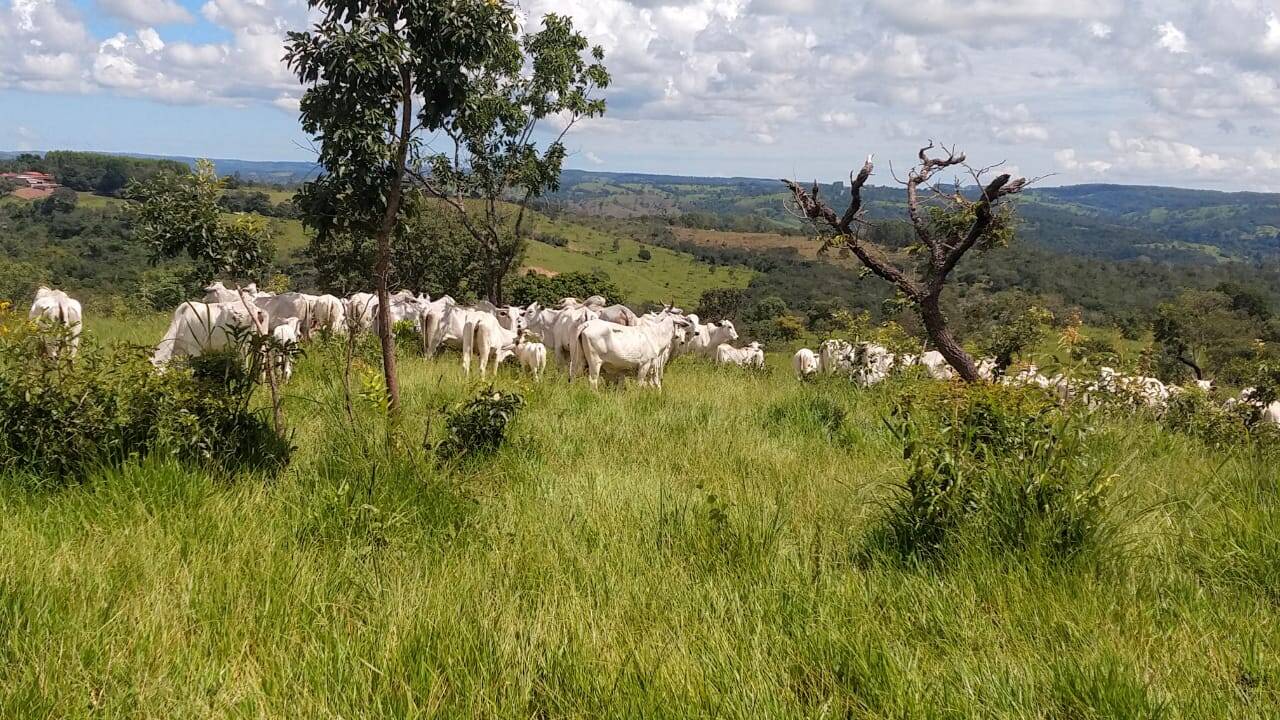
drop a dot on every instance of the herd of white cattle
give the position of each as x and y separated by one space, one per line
868 364
589 336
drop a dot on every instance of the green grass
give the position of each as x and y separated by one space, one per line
667 276
587 571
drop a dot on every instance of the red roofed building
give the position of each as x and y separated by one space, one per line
33 180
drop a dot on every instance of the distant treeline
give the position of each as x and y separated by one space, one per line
92 172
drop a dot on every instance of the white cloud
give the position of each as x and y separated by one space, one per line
146 12
593 158
841 120
1171 38
1067 160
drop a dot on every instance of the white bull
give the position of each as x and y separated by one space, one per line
602 346
198 328
55 307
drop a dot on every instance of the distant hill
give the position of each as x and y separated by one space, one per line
255 171
1116 222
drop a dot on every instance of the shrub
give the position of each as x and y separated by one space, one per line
644 254
60 419
1003 467
478 426
1197 414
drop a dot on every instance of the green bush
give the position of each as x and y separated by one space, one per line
478 426
60 419
1002 467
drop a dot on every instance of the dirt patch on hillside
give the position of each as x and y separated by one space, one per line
541 271
31 193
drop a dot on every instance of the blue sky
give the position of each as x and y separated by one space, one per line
1173 92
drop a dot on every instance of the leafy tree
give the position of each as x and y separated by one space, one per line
431 252
60 201
1006 325
365 64
177 214
722 303
533 287
944 232
1202 331
494 157
19 280
788 328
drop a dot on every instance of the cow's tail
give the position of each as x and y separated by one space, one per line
577 352
430 326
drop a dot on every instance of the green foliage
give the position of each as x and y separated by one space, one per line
534 287
93 172
1006 469
551 72
1006 325
644 254
478 427
1204 329
722 303
19 281
178 214
164 288
60 201
1198 414
787 328
60 420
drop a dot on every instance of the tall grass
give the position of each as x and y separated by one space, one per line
626 554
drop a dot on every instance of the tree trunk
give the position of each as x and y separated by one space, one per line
935 323
386 333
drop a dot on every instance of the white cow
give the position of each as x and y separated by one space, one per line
532 355
329 314
644 349
287 334
201 327
620 314
484 336
362 307
564 331
751 356
443 322
936 365
873 363
289 306
216 292
55 307
835 356
707 337
806 363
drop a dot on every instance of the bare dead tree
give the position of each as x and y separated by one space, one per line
946 229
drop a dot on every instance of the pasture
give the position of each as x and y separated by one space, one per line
693 553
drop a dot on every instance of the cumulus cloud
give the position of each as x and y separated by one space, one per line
146 12
1189 86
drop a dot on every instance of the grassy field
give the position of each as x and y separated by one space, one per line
692 553
666 276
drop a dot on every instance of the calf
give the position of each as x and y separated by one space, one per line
532 356
286 335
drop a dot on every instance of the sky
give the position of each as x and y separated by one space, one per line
1165 92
